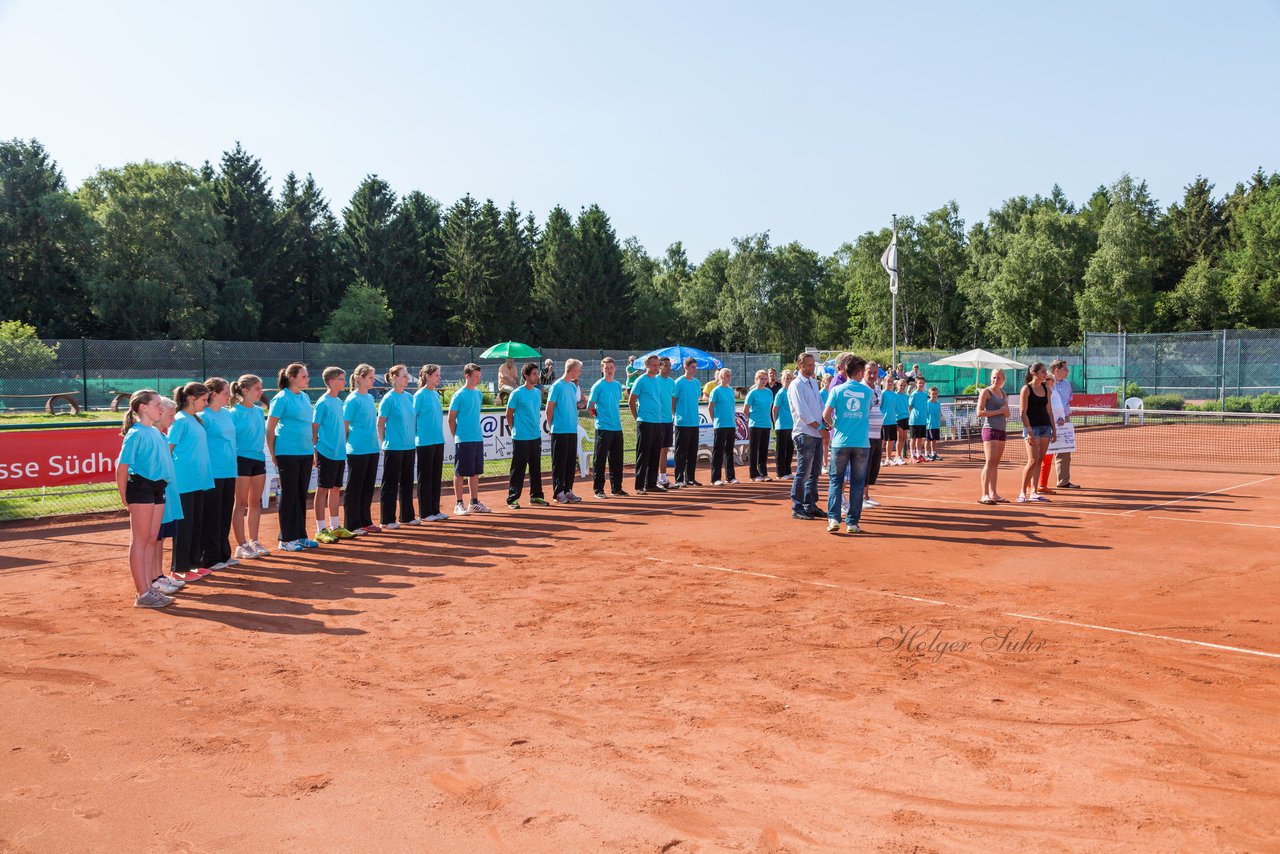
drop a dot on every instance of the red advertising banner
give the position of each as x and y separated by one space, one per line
35 458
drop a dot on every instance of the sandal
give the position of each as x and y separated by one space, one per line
987 501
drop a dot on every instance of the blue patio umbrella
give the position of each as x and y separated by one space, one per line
678 353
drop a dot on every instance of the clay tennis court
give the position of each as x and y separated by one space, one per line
688 672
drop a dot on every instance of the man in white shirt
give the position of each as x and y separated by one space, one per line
806 413
1062 388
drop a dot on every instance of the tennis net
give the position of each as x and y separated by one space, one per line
1134 438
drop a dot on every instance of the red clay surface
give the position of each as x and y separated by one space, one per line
613 676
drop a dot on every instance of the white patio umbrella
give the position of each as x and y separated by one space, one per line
978 360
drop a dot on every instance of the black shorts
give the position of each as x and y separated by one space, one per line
141 490
668 435
889 432
330 472
168 530
933 434
903 424
917 431
468 459
249 467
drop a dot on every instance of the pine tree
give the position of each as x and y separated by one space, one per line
472 262
418 287
310 275
368 235
363 317
559 301
1118 282
604 284
514 284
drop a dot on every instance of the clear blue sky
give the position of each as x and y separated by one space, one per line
683 120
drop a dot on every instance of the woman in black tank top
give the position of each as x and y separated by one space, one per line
1037 428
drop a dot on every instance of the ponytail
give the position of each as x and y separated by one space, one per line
1032 371
360 370
138 399
427 370
183 394
288 372
246 381
393 370
215 385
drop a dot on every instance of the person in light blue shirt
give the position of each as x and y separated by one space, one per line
917 417
783 424
524 411
193 477
251 467
889 424
144 471
758 407
645 400
291 449
428 416
468 441
902 399
562 415
933 424
360 414
396 430
329 434
688 421
724 419
221 500
666 417
848 413
604 405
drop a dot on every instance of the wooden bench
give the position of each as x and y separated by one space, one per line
51 399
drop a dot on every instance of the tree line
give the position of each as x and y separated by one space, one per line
164 250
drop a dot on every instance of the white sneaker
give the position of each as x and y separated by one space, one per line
391 526
166 585
868 505
477 507
460 509
233 561
246 551
662 479
735 480
571 498
263 551
717 483
217 566
415 521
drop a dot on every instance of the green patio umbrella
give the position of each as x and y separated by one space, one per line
510 350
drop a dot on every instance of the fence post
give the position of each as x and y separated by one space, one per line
303 345
1222 376
84 370
204 368
472 354
393 352
1124 369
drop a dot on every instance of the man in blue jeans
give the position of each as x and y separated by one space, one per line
848 411
806 412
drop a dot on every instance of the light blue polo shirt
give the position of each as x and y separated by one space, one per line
761 402
688 394
722 397
647 390
667 390
192 471
221 432
526 403
466 402
293 432
783 402
428 414
919 405
251 431
564 395
851 405
935 415
606 396
397 433
361 414
330 416
146 453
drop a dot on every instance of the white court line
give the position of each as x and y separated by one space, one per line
1201 495
1205 644
1068 509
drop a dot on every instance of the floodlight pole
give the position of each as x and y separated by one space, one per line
893 315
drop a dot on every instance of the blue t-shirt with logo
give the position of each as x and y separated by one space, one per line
331 438
918 403
783 401
146 453
397 433
606 396
688 394
851 412
564 394
361 415
251 431
761 402
190 454
722 397
526 403
221 433
428 415
466 402
293 432
935 415
647 390
666 391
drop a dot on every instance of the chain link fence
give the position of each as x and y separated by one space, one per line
1230 367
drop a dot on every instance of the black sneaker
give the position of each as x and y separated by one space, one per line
621 493
599 493
692 483
796 514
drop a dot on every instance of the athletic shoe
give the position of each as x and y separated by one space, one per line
309 544
853 529
675 484
1038 497
246 551
342 533
391 526
561 498
263 551
600 493
662 479
661 486
1068 486
621 493
231 561
642 492
152 599
217 566
477 507
414 521
573 499
372 529
833 527
870 502
461 509
167 586
326 536
717 483
735 480
693 483
541 502
868 505
1022 499
796 514
514 505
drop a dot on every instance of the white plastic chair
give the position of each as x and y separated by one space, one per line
1133 404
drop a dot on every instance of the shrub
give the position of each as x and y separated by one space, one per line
1267 402
1164 402
1131 390
1238 403
21 351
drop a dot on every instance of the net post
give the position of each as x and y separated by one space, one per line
1222 375
1124 369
